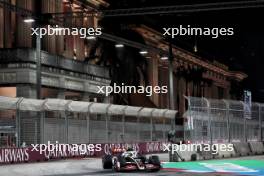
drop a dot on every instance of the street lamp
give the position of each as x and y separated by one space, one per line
119 45
143 52
164 58
38 58
171 84
29 20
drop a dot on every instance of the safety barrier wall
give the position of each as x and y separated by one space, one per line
31 121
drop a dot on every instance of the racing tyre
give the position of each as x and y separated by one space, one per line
155 161
107 162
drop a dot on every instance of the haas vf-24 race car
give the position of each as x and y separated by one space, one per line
130 160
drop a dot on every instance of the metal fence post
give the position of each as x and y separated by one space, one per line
138 133
66 123
261 129
260 123
36 129
228 121
163 131
42 127
42 123
123 124
107 118
88 126
151 125
228 124
123 127
164 125
88 123
194 130
202 132
66 128
189 108
210 119
138 127
18 122
245 122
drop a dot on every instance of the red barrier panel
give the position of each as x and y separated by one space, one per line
29 154
19 155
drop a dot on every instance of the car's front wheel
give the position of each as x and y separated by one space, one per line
116 165
107 162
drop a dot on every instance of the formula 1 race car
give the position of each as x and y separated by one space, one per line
130 160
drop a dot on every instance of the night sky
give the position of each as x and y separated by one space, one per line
242 52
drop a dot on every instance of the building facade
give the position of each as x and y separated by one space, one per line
64 74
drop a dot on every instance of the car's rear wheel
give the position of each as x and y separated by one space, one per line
155 161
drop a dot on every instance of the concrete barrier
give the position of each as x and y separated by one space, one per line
194 155
205 155
225 153
239 149
242 149
200 154
187 156
257 148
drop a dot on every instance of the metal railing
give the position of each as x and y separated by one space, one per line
212 121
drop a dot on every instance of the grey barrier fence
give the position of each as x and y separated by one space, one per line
214 121
31 121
